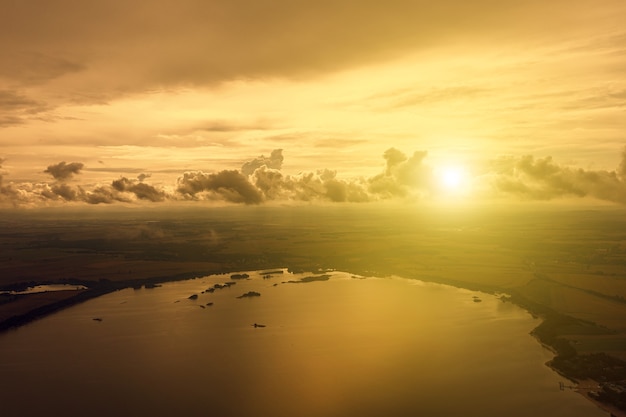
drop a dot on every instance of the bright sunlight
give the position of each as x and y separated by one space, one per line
451 178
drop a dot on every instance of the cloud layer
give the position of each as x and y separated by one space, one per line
260 180
160 42
543 179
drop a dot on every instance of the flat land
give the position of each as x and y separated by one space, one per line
572 261
563 263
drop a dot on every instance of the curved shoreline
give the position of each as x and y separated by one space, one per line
545 332
94 289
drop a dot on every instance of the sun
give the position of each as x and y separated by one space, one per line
451 178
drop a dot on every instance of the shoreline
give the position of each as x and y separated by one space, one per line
585 392
544 333
94 289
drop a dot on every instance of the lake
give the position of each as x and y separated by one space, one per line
347 346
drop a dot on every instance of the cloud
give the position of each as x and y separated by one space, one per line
225 185
277 38
16 196
63 170
222 126
403 176
63 191
11 100
141 190
15 108
409 98
322 185
275 161
27 194
621 171
120 190
335 142
272 183
104 195
543 179
36 67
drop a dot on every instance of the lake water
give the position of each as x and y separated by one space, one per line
342 347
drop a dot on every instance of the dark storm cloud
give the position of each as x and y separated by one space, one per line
225 185
274 161
543 179
63 170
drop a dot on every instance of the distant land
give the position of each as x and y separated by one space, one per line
564 264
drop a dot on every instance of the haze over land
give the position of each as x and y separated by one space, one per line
569 260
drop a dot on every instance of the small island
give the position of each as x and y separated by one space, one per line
250 294
278 271
312 278
239 276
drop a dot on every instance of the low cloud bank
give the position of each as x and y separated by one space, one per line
543 179
231 186
261 180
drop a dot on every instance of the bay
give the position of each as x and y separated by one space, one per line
346 346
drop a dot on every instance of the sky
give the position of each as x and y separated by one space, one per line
272 101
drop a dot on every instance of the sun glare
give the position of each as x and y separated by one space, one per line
451 179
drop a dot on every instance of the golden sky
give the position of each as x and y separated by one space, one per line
249 101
